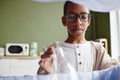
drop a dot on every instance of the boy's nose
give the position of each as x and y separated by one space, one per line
78 20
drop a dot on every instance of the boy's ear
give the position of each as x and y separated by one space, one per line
64 21
89 21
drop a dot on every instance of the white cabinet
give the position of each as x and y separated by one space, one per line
18 67
4 67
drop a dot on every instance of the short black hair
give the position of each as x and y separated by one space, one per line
66 6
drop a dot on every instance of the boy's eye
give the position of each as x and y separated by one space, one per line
84 16
71 16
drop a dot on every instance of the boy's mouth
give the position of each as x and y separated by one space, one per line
77 29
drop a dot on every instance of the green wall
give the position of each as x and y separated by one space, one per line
25 21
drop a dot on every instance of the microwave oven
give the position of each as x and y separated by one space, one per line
17 49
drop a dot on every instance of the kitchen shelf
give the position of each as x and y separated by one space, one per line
19 57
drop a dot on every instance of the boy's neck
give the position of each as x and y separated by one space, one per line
74 40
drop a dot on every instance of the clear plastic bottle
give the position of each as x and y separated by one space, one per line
63 66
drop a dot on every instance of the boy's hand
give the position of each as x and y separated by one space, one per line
46 60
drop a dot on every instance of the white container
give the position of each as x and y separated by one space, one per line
1 51
33 49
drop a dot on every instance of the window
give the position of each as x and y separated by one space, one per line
115 33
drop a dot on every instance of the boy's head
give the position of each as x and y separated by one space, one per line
76 18
66 5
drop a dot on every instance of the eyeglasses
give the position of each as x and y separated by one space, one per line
73 17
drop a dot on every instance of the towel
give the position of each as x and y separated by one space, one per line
106 74
94 5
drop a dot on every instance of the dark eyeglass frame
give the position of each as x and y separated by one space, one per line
84 17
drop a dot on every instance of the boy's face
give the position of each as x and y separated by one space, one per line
76 19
